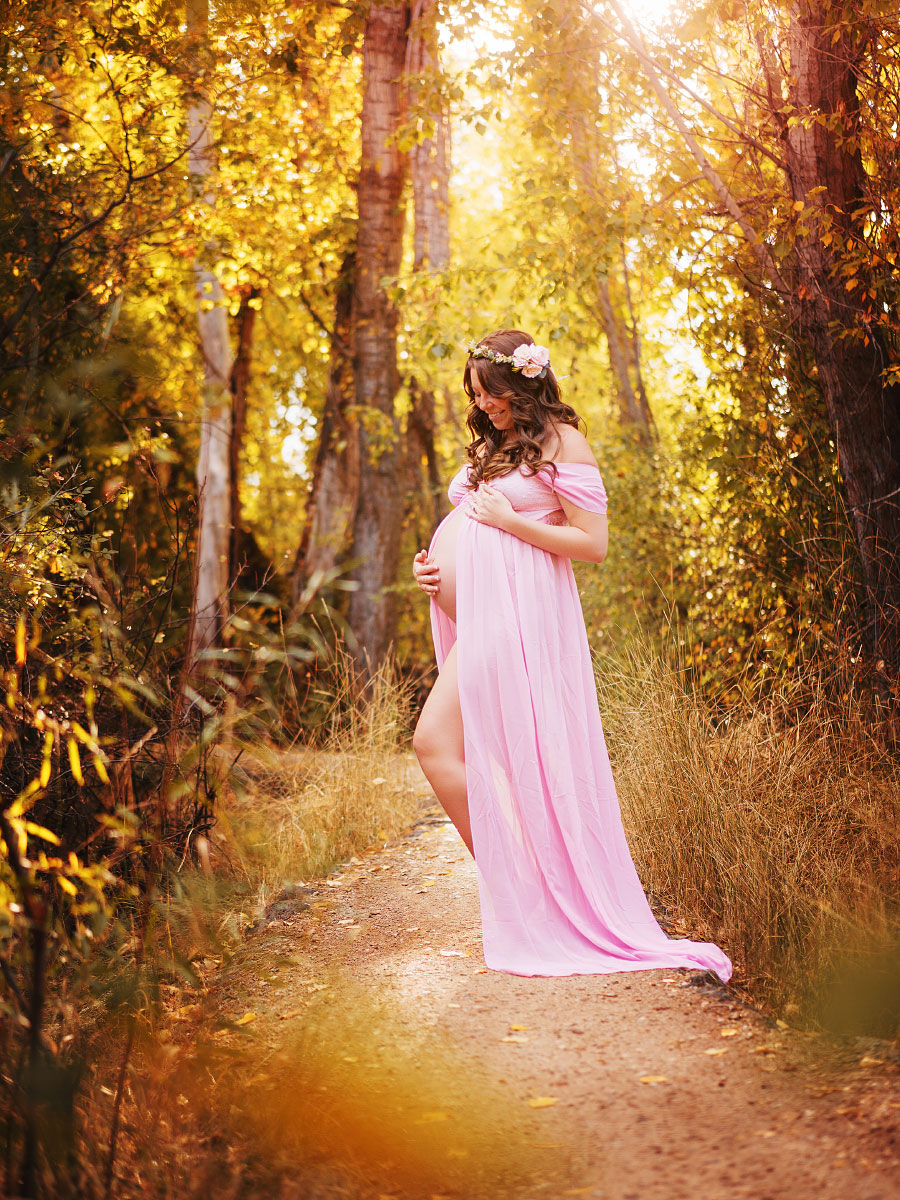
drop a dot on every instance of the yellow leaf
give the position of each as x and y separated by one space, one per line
653 1078
518 1028
543 1102
41 832
245 1019
851 284
46 767
799 206
20 642
729 1032
716 1051
75 760
67 885
100 768
868 1061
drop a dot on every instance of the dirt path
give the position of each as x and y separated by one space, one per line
648 1084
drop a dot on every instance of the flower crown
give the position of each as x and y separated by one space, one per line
533 361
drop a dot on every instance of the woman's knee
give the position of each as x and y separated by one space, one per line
425 738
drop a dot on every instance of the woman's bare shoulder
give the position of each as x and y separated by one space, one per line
569 445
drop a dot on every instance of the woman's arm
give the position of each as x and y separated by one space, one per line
587 535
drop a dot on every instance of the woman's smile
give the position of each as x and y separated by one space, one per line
494 407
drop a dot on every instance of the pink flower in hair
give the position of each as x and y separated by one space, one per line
530 359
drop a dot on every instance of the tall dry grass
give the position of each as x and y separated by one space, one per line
292 815
772 828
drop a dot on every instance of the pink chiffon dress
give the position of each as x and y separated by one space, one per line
558 890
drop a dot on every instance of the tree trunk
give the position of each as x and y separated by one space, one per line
430 169
634 346
213 484
846 343
420 427
630 413
430 158
334 490
376 533
240 379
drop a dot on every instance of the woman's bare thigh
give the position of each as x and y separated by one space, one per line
440 726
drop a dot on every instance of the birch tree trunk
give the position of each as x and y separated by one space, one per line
376 532
213 474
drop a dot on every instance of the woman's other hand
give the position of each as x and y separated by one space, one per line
427 573
491 507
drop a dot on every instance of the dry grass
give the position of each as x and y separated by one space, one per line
293 815
773 830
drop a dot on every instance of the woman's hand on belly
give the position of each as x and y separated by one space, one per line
427 573
491 507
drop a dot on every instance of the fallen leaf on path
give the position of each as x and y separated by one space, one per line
187 1011
289 1016
519 1041
716 1051
543 1101
764 1049
654 1079
245 1019
413 929
454 953
518 1028
380 779
868 1061
729 1032
481 970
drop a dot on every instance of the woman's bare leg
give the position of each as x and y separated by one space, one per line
438 743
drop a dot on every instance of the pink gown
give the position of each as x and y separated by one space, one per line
558 890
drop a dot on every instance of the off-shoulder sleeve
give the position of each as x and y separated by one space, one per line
581 484
457 488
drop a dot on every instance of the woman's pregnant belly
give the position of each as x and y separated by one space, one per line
443 551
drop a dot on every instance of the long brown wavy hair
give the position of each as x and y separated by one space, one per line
534 404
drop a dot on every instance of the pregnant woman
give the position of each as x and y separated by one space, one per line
510 736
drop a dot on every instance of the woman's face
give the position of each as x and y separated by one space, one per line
494 408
